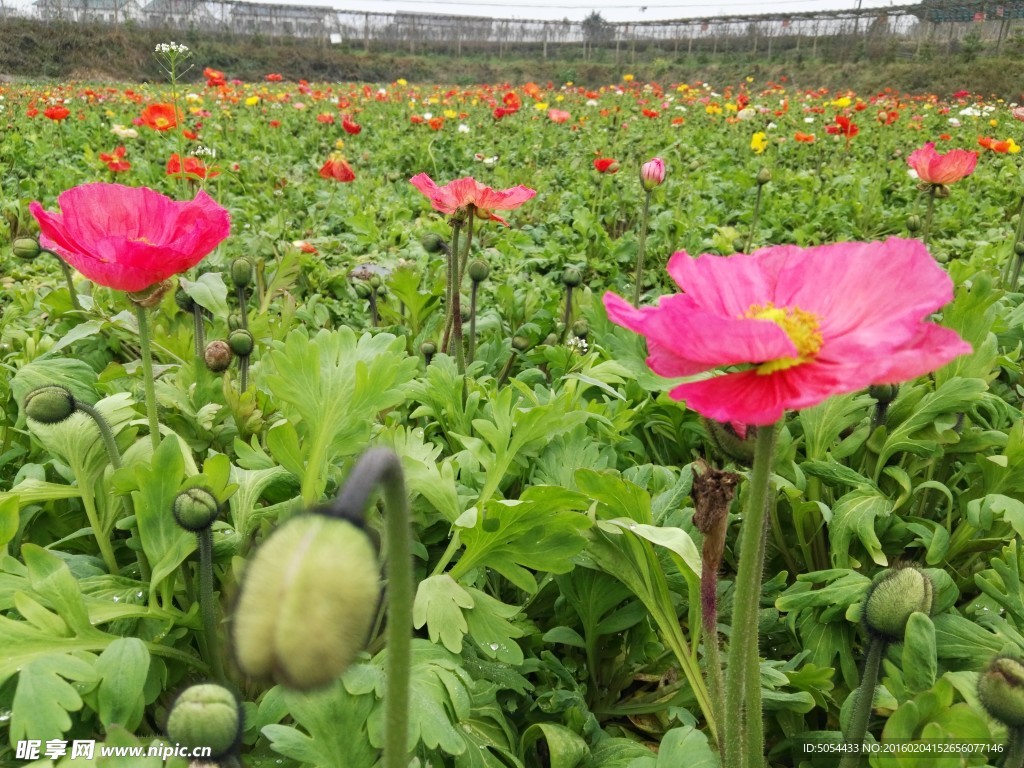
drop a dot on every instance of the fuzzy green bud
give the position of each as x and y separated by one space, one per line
739 244
571 277
581 329
1001 690
478 271
913 223
433 243
50 405
206 715
235 321
428 348
895 594
363 291
307 603
1018 248
764 176
730 443
241 271
27 248
241 342
185 302
520 343
195 509
217 355
884 393
151 296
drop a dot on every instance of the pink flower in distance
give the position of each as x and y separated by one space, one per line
558 115
794 326
935 168
652 173
468 191
130 238
1018 113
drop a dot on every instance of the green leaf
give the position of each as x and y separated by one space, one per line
9 518
972 314
490 630
44 698
438 604
919 657
68 372
564 748
686 746
854 515
1004 473
824 423
122 668
426 472
616 497
675 540
209 292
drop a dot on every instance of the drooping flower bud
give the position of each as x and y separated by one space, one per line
241 271
308 601
185 302
1018 248
895 594
732 440
241 342
49 405
206 715
217 355
195 509
151 296
479 271
1001 690
433 243
652 173
27 248
363 291
571 277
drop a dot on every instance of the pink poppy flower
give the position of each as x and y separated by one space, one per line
935 168
558 115
468 191
130 238
795 325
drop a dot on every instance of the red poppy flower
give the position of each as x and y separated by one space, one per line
57 113
935 168
190 135
805 138
115 160
606 165
31 112
650 113
194 168
130 238
274 77
436 123
326 118
336 168
350 126
160 117
214 78
843 126
558 115
803 323
468 191
416 119
274 123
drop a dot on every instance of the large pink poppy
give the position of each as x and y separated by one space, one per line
936 168
468 191
130 238
794 326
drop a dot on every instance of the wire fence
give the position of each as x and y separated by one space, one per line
929 28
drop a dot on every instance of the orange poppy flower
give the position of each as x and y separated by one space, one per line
160 117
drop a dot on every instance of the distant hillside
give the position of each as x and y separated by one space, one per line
33 49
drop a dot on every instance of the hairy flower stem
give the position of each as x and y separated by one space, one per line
460 353
243 306
641 246
147 375
862 706
1014 757
474 290
207 606
743 726
113 454
199 333
372 301
753 221
567 313
929 212
507 369
451 255
71 283
243 374
1013 264
381 467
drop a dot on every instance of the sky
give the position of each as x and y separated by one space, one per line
577 10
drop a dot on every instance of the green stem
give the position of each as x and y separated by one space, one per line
928 214
71 283
243 373
113 454
712 654
743 726
755 219
243 308
199 334
862 706
207 607
1014 261
642 245
147 375
1014 757
381 467
567 313
472 320
102 537
460 354
451 255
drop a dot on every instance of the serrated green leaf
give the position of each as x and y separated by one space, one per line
564 749
854 514
44 698
438 605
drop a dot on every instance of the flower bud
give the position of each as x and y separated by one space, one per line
478 271
940 190
1018 248
895 594
217 355
739 244
652 173
363 291
241 342
307 602
241 271
1001 690
206 715
50 405
433 243
520 343
185 302
732 440
27 248
151 296
571 277
235 321
428 349
913 223
195 509
884 393
764 176
581 329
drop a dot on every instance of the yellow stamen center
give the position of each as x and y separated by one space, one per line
801 326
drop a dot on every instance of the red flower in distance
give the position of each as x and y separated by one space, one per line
57 113
194 168
436 123
351 127
337 169
274 77
130 238
214 78
325 118
803 324
468 191
558 115
606 165
935 168
115 160
160 117
843 126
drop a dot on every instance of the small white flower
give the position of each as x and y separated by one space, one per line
970 112
193 97
576 344
747 113
463 128
427 115
808 119
591 102
382 92
770 126
124 133
954 122
912 174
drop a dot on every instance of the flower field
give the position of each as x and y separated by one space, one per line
509 426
